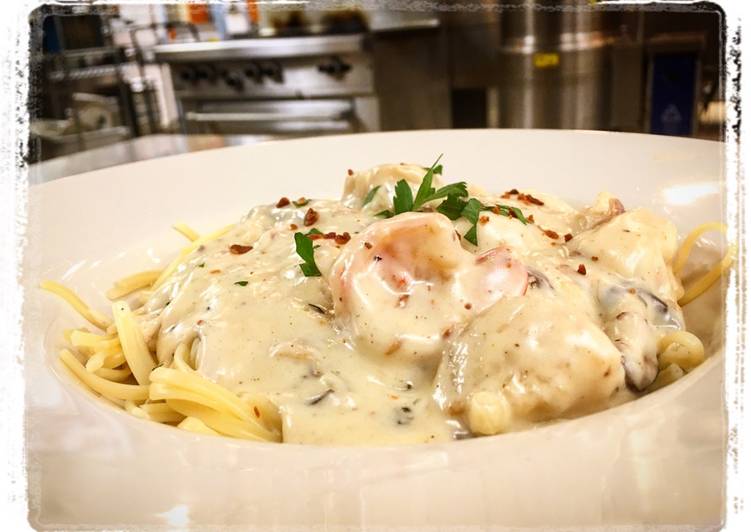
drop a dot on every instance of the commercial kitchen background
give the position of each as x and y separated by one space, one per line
117 83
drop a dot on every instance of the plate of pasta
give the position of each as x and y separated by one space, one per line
332 325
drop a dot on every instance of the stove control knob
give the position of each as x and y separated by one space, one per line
188 75
207 73
335 67
253 71
235 81
273 71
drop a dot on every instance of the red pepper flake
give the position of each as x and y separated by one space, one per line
239 249
595 258
446 333
330 235
215 271
403 300
550 234
531 218
349 171
509 193
342 239
368 245
567 237
582 270
311 217
315 236
293 227
632 290
496 210
468 306
283 202
484 219
528 198
199 322
256 411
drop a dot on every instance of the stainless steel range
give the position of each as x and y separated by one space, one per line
289 85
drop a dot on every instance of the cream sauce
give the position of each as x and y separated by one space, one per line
408 320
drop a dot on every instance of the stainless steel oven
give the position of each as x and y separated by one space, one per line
288 85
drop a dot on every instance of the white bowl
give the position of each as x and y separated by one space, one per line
659 459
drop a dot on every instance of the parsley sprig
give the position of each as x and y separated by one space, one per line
456 204
371 194
404 201
304 248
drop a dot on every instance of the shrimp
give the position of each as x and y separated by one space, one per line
405 286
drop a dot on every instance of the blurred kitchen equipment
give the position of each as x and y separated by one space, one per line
673 78
311 84
553 65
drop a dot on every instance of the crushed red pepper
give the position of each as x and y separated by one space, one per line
582 270
403 299
468 306
529 199
595 258
293 227
342 239
484 219
283 202
239 249
568 236
311 217
349 171
550 234
368 245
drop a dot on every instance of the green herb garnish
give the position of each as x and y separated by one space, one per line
241 283
304 248
456 202
427 193
202 265
403 201
471 212
313 231
302 202
370 195
452 207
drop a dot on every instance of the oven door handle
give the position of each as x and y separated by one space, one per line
268 116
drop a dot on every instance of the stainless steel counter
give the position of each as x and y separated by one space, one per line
138 149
